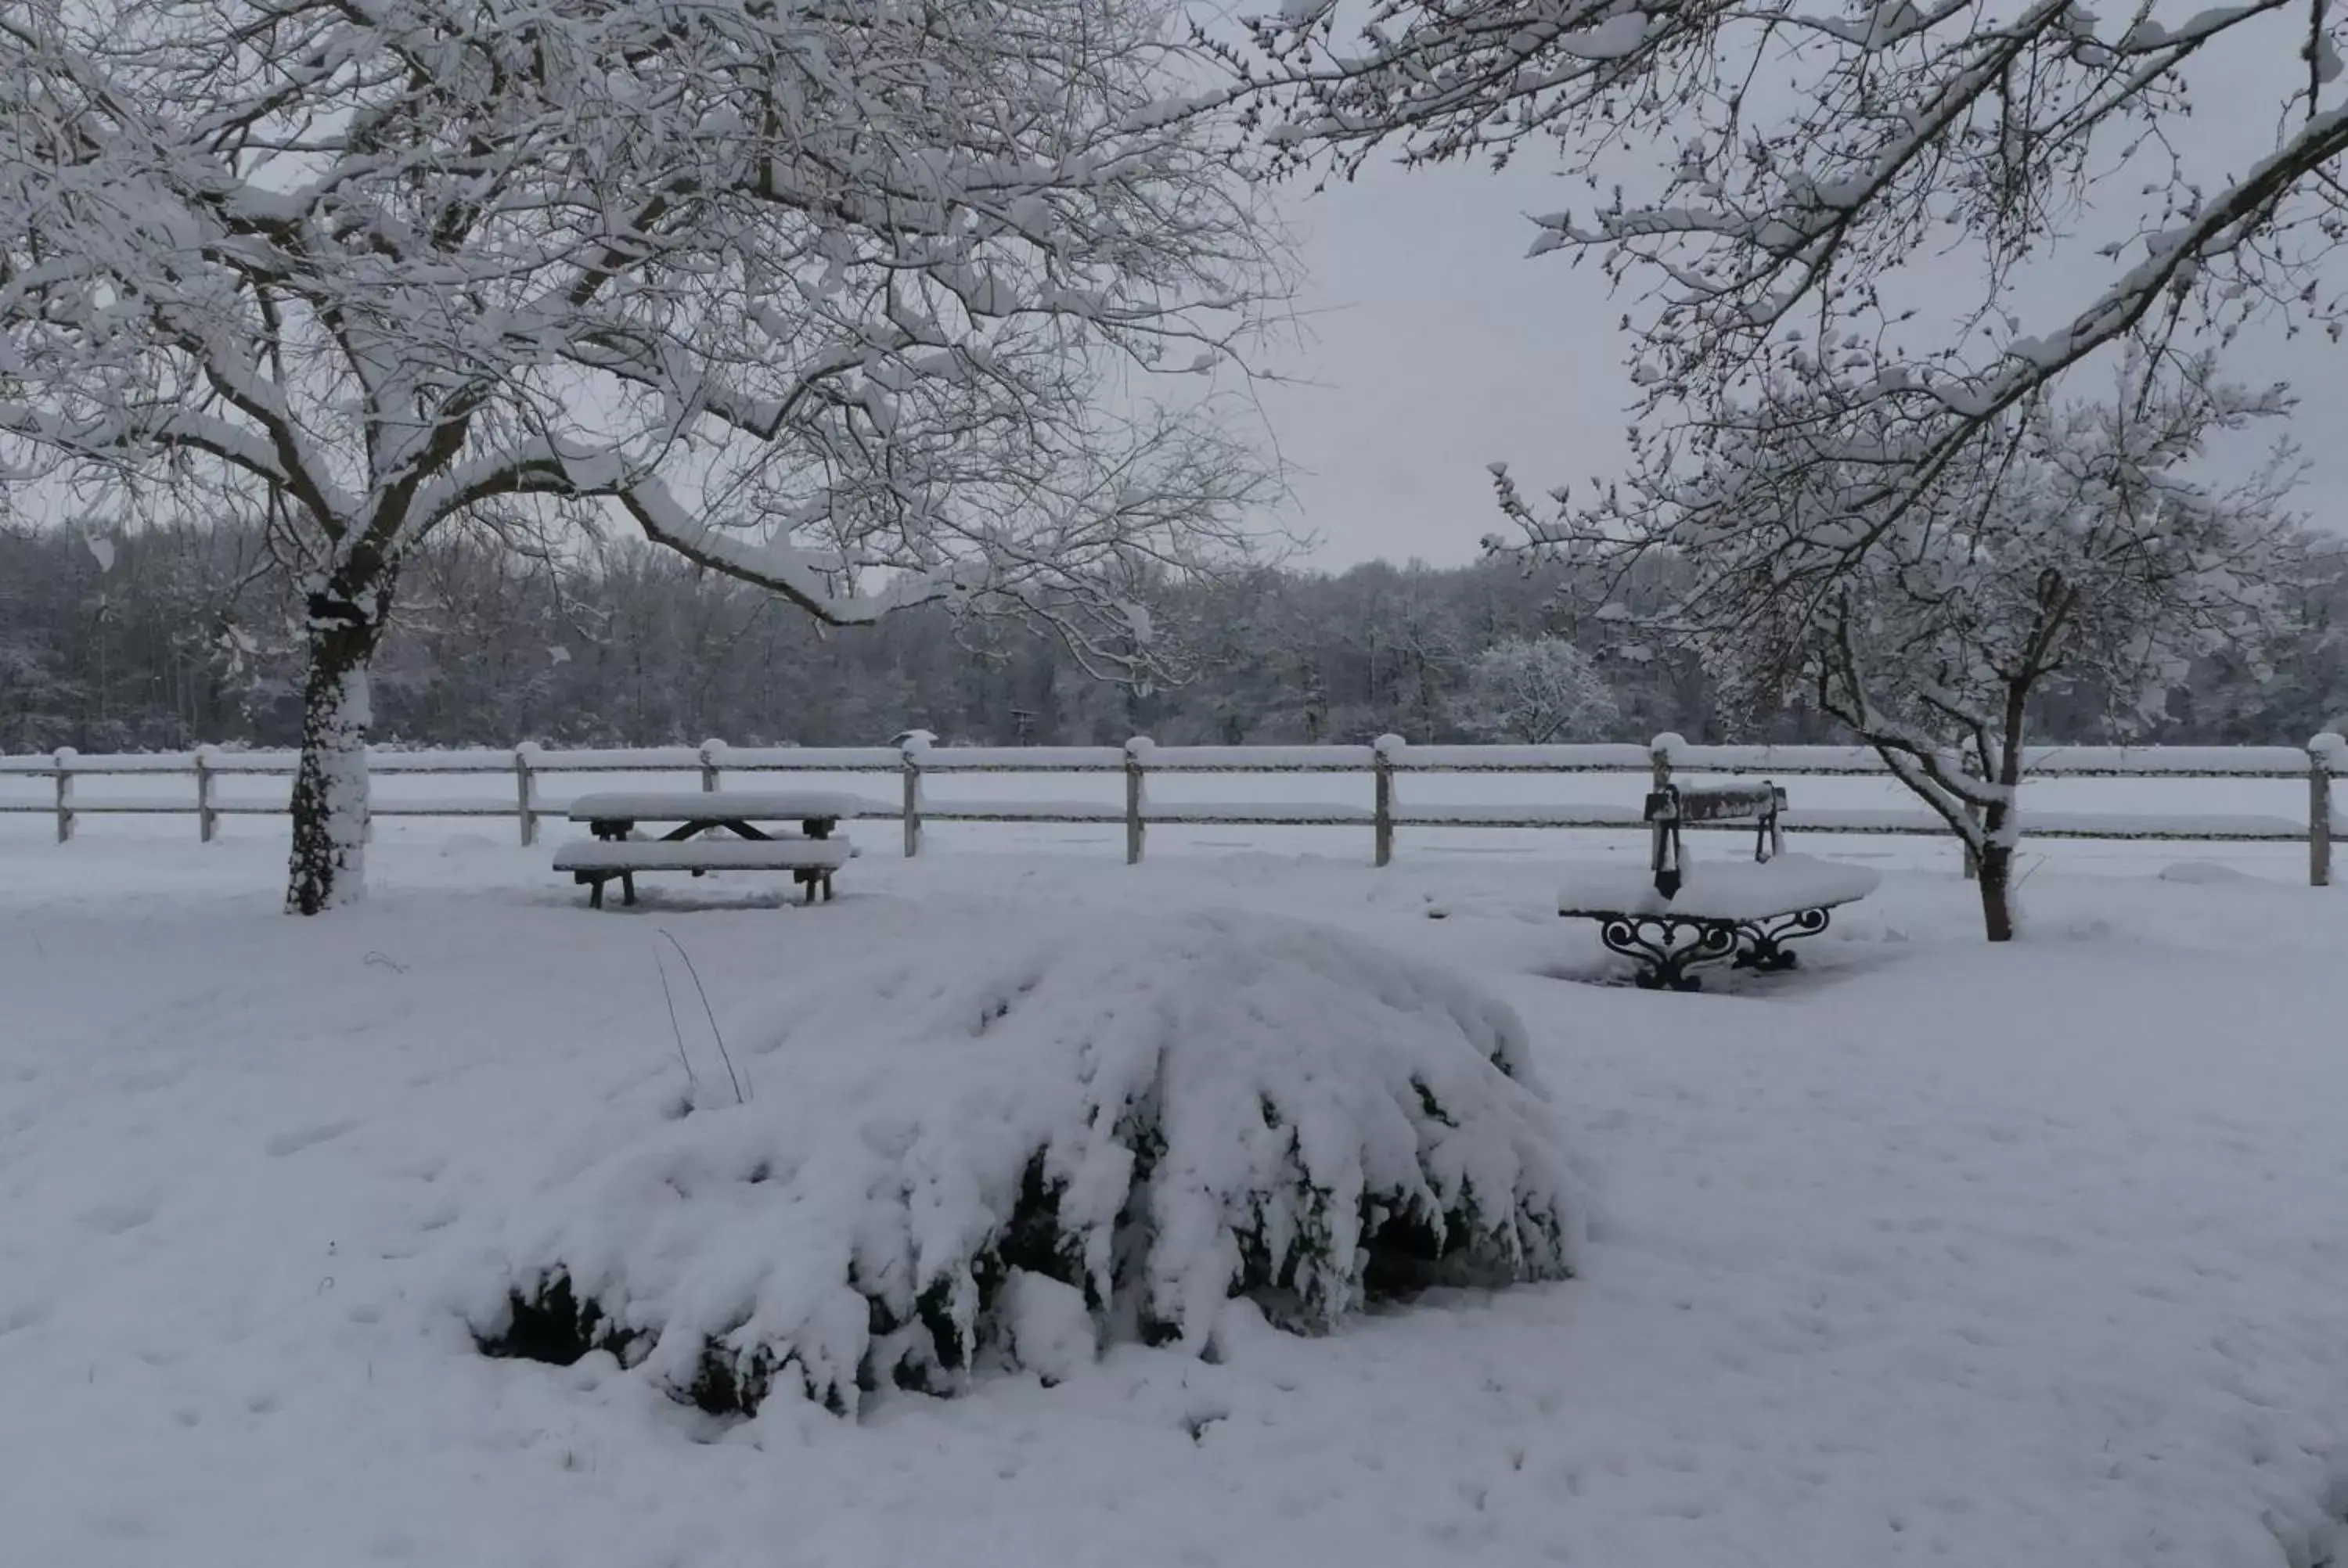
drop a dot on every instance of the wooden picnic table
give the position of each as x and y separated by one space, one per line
694 842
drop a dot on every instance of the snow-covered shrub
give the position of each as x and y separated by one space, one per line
1008 1152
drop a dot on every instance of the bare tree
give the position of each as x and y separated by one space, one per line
2067 546
822 297
1826 216
1535 690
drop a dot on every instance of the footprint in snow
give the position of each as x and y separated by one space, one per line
301 1138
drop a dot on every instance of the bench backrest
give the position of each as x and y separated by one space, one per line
1673 804
1715 803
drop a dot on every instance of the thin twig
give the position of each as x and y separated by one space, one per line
723 1055
674 1028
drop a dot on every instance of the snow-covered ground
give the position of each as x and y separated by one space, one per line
1926 1252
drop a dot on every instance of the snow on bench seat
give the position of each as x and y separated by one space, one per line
1717 890
698 805
704 854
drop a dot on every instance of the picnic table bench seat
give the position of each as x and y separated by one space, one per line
704 854
596 862
1675 916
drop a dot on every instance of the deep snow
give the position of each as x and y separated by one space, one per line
1926 1251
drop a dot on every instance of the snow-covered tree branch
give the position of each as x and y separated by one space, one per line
1911 218
2070 546
867 305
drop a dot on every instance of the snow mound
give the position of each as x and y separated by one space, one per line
1006 1152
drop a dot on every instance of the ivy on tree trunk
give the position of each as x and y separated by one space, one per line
330 783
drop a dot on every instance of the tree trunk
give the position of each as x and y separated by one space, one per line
330 787
1997 891
1998 821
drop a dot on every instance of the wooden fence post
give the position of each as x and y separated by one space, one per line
525 804
911 745
1381 794
1135 799
2326 755
711 751
207 814
64 760
1659 753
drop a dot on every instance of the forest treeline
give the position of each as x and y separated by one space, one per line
170 637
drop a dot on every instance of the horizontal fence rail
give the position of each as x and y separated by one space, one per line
1388 761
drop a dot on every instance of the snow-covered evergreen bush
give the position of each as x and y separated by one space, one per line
1007 1152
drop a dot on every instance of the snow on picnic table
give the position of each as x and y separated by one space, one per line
1929 1252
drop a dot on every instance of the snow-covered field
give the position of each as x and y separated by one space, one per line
1925 1253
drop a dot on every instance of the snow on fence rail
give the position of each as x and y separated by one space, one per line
2321 761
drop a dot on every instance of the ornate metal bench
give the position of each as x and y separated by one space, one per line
1677 917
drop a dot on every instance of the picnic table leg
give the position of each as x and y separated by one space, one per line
594 892
627 887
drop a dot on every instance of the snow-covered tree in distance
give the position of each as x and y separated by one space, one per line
1862 212
1533 691
2070 545
823 297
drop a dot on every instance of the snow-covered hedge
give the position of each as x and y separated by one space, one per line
1007 1151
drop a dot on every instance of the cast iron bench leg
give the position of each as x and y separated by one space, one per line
1668 948
1761 944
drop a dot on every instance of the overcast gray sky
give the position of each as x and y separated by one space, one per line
1436 346
1433 347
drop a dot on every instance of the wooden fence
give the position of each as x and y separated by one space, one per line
1388 762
